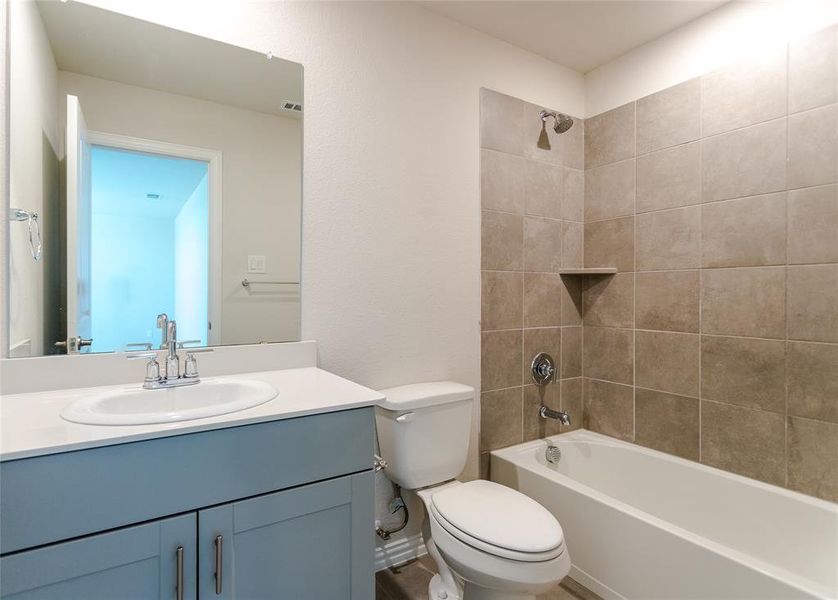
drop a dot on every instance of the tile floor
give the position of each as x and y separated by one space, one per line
410 582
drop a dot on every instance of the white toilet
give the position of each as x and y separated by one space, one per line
488 541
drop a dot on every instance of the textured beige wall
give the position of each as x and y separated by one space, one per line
717 201
4 180
34 136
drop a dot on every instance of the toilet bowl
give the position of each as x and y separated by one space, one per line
489 542
499 544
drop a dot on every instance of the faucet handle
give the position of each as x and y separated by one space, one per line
190 365
181 345
152 369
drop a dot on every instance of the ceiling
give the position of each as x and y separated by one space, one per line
122 179
582 34
104 44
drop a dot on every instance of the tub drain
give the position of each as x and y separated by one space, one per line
553 454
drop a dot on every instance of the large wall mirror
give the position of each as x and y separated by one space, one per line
155 175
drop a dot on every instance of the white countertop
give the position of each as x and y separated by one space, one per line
30 424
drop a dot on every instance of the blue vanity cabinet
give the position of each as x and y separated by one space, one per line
285 507
311 542
153 560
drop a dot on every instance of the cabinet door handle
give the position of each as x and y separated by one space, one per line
179 576
218 551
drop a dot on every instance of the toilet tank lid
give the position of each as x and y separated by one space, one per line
420 395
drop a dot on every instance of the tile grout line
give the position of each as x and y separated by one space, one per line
701 136
634 291
786 283
525 203
527 215
682 332
479 399
742 407
583 279
701 263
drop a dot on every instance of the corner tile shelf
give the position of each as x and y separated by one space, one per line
591 271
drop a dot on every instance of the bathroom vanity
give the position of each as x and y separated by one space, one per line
271 502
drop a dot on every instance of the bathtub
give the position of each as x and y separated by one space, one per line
640 524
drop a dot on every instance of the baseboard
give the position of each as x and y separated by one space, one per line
399 551
594 585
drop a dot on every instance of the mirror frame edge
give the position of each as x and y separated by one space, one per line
5 188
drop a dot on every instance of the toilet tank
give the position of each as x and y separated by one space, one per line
423 432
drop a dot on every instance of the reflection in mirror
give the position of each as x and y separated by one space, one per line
158 174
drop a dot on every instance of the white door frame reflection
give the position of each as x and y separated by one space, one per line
213 159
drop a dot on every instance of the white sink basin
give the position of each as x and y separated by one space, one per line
136 406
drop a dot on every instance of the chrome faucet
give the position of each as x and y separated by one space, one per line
163 326
171 376
172 370
548 413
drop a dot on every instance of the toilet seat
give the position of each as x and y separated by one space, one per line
489 575
498 520
499 551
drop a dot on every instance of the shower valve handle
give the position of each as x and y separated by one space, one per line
542 369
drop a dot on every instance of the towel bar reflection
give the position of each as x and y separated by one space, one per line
247 283
18 214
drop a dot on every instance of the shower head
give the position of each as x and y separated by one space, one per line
562 121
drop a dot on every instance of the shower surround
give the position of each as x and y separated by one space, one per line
717 201
717 340
532 225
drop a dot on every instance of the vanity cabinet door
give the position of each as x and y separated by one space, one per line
136 563
313 542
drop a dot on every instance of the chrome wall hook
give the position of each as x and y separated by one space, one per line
18 214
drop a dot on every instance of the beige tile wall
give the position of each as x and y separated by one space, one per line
717 201
532 225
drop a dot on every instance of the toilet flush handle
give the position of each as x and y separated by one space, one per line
404 417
